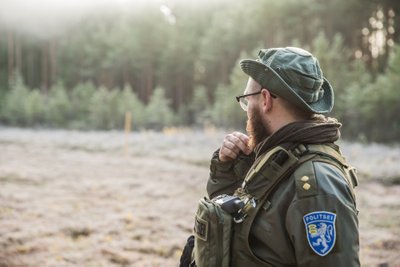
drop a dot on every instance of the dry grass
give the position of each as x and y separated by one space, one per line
69 198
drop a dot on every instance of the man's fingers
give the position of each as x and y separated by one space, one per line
242 142
241 136
232 145
226 154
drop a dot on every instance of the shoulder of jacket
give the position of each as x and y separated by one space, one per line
314 176
305 180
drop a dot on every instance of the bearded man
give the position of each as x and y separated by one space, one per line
286 175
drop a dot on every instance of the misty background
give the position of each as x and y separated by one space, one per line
84 64
75 190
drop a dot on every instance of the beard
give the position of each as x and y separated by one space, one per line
256 130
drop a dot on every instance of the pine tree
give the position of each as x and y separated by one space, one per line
158 112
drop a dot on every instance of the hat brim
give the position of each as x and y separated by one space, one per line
269 79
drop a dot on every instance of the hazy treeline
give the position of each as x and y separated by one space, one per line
175 63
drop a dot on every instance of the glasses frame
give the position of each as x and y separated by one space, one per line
243 105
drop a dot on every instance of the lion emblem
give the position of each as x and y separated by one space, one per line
320 228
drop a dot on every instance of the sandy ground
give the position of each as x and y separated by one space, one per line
70 198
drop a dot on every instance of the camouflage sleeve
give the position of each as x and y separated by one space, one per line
225 177
322 220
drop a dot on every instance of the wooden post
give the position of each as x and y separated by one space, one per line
128 121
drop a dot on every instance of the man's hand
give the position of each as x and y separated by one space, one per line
232 145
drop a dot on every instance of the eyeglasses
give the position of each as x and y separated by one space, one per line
244 102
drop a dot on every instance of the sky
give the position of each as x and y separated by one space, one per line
43 18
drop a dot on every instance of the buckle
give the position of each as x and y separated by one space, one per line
249 204
300 150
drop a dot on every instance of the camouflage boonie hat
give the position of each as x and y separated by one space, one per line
293 74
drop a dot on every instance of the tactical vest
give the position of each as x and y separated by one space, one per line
266 173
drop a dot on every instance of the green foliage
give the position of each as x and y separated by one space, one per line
222 105
84 108
200 106
183 116
371 109
380 104
35 108
15 111
158 112
348 102
103 108
80 97
226 111
58 108
130 102
192 54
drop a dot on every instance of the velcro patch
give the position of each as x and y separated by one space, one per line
320 230
201 228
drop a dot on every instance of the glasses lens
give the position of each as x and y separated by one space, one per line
243 103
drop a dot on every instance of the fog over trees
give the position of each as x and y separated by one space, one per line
83 64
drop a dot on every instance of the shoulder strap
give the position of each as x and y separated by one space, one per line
260 163
270 169
264 176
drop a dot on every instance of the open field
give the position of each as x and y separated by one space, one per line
71 198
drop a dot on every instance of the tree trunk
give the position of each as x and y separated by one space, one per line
18 56
30 75
179 87
10 57
125 76
53 62
45 68
224 72
149 79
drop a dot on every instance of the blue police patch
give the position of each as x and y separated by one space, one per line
320 229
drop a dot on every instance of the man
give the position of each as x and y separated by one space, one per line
303 210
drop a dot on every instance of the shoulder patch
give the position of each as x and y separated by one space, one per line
320 231
200 228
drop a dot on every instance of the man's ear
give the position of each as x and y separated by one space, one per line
266 100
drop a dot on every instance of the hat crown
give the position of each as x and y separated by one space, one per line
298 68
293 74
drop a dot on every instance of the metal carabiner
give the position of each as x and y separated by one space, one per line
250 203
